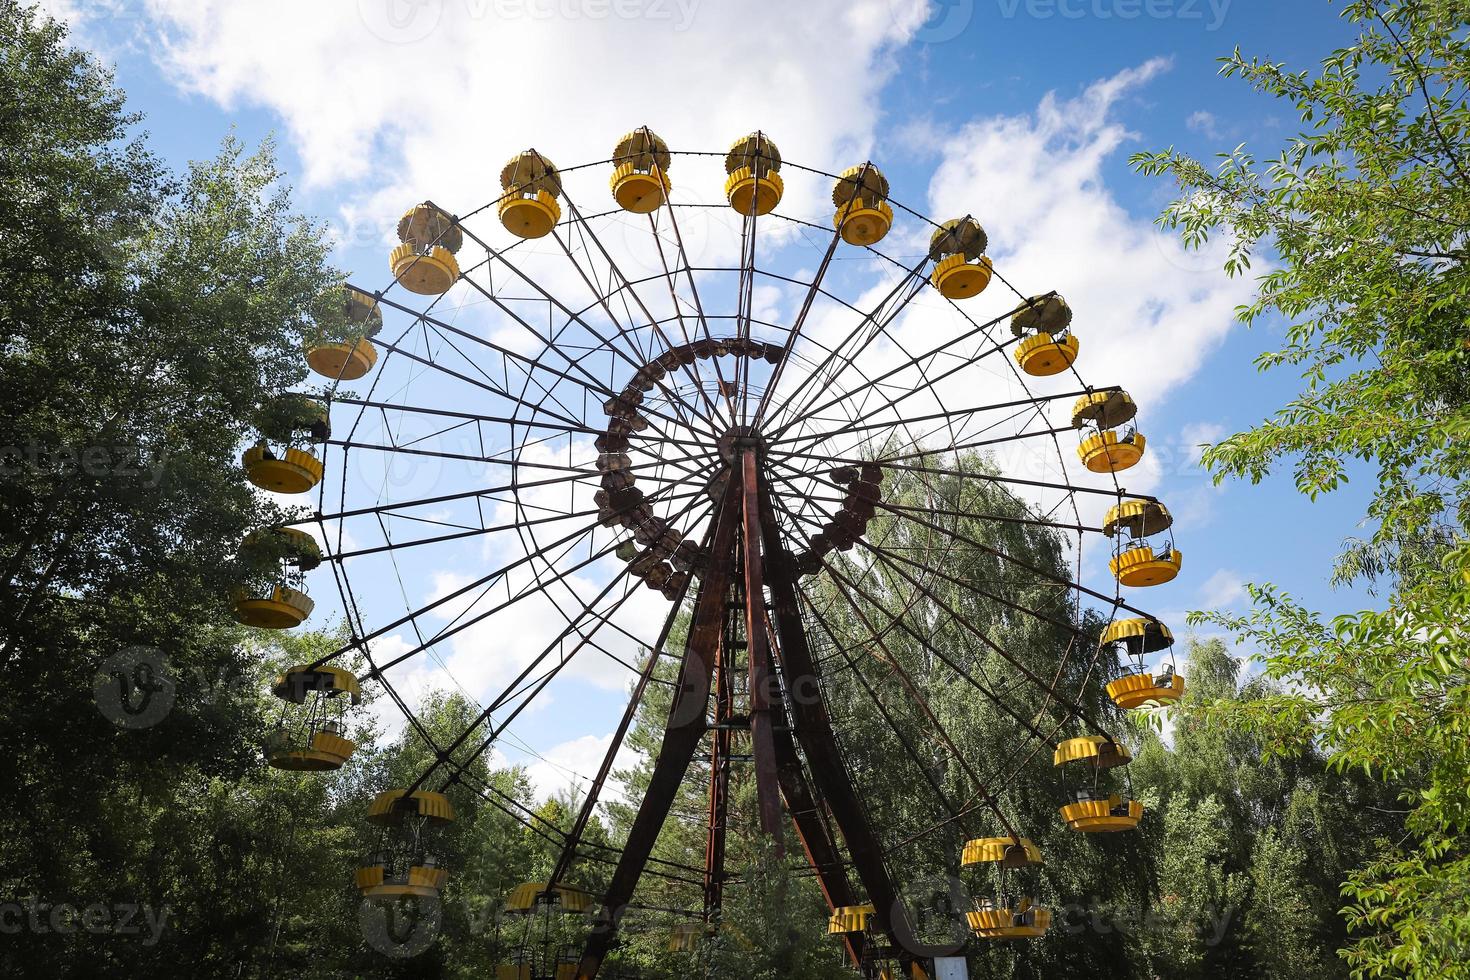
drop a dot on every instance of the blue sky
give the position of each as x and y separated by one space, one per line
1021 111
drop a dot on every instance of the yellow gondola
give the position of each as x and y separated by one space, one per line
310 735
850 918
1143 688
1104 409
343 361
1146 690
1023 920
392 807
1045 355
280 609
277 560
1108 452
1003 913
1103 816
401 864
1047 345
294 471
863 214
1141 564
640 180
961 269
424 261
864 929
753 180
547 925
350 359
1140 635
533 895
1139 517
421 881
532 185
1090 810
879 956
685 937
1096 415
291 422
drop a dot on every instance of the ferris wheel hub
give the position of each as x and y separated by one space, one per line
736 440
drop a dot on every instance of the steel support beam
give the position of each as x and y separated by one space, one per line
811 828
719 779
688 721
819 743
763 691
747 557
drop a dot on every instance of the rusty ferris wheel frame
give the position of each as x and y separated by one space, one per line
765 448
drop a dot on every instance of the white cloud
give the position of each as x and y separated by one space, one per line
1146 311
572 765
1205 123
1223 588
429 98
1197 435
106 28
66 11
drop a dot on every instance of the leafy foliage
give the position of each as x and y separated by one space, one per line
144 319
1367 212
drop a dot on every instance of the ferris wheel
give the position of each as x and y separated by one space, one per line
693 442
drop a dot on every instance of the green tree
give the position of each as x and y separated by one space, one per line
1366 212
1200 894
151 324
1284 921
1238 896
144 318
